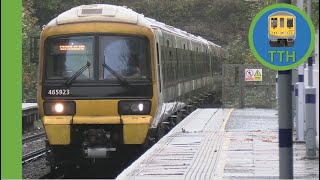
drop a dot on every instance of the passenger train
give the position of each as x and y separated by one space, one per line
281 29
111 80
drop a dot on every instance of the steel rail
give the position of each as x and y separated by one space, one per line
33 155
33 137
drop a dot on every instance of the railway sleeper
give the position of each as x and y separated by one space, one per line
180 116
190 108
163 129
170 123
183 113
173 119
204 95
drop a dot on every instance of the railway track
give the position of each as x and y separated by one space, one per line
52 175
33 137
33 155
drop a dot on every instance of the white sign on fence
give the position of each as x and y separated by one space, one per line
253 74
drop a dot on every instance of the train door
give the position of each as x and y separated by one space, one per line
159 74
158 39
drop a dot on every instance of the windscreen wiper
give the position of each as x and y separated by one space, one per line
118 76
77 74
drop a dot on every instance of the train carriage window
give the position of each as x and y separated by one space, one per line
207 64
190 65
274 22
176 55
203 63
193 64
199 64
171 71
179 63
185 64
168 69
282 22
289 22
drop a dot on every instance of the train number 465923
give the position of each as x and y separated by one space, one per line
59 92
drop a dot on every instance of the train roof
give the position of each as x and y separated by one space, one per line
112 13
281 13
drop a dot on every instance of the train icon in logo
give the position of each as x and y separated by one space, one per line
281 29
281 36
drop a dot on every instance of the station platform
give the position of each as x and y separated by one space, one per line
29 114
221 144
26 106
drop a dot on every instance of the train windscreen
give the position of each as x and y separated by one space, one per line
127 56
65 56
76 58
290 22
274 22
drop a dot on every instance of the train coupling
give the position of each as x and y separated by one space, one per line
98 152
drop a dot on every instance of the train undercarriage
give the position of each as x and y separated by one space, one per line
90 144
104 143
282 43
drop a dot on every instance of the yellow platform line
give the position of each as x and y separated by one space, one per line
225 147
225 121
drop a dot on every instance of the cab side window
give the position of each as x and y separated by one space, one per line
290 22
274 22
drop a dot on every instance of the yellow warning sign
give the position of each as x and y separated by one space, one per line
257 73
253 74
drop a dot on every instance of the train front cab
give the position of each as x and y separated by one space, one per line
88 105
281 29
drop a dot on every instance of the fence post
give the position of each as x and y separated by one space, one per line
241 75
223 86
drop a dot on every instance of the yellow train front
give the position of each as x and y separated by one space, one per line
281 29
109 78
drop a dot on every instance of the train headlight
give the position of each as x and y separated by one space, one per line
134 107
137 107
59 108
140 107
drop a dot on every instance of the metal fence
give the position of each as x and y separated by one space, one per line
239 93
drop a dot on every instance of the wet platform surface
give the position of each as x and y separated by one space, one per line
189 151
251 148
221 144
